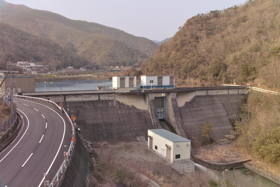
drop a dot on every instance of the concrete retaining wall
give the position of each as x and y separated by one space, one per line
182 98
138 101
173 114
80 168
263 173
152 111
220 166
77 98
10 134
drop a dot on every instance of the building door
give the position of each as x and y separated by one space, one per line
122 83
168 153
130 82
159 81
171 81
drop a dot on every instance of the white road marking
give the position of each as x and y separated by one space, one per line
46 125
35 109
25 104
41 138
20 138
43 116
26 160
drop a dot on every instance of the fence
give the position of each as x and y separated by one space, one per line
59 175
6 125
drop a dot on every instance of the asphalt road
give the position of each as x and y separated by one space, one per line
37 152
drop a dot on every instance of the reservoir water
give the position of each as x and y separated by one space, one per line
71 85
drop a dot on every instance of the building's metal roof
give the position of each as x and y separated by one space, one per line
157 76
169 135
125 76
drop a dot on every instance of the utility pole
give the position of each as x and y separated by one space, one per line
12 87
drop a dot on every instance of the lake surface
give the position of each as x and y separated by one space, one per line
72 85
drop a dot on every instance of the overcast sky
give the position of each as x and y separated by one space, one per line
152 19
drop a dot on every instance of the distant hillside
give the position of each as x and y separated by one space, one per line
17 45
241 43
100 44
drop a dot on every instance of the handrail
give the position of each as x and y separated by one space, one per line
256 89
63 166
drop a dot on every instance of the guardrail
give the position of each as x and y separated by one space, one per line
264 91
62 168
256 89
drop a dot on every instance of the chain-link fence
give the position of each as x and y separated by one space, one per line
6 125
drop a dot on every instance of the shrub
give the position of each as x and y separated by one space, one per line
212 183
206 133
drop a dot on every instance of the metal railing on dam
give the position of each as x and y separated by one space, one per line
219 90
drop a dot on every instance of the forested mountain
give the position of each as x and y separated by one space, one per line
16 45
241 43
99 44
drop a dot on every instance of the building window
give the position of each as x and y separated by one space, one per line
177 156
155 147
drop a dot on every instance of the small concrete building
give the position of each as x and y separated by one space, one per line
169 145
20 84
123 82
160 81
175 149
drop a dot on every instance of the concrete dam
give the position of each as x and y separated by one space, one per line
125 115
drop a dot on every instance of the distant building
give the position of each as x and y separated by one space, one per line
25 66
20 84
30 66
123 82
157 81
83 69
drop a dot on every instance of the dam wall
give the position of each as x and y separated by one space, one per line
112 118
125 115
220 110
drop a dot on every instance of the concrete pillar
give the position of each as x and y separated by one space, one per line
152 110
173 114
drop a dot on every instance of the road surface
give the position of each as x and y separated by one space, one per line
37 152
